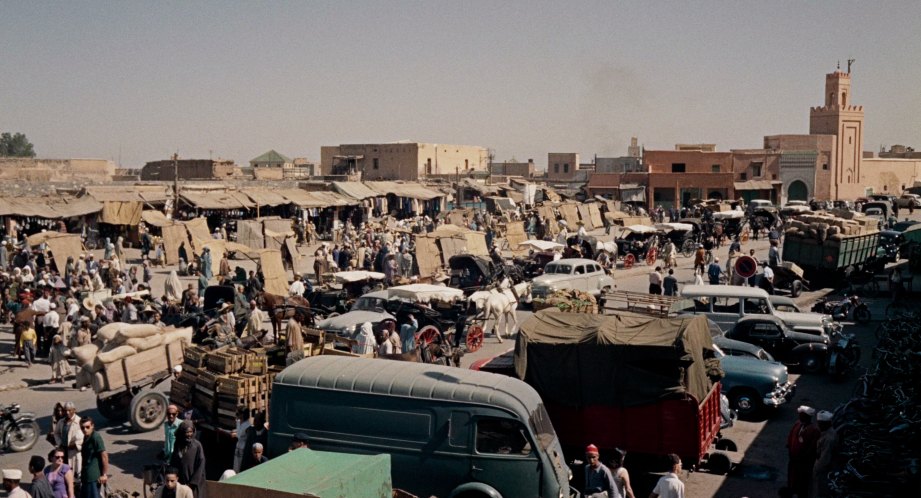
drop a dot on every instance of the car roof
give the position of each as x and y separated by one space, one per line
572 261
723 291
775 299
381 294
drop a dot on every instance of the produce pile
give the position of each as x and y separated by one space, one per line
822 227
118 341
568 300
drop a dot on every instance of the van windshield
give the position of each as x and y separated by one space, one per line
542 427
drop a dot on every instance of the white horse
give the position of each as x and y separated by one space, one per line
500 302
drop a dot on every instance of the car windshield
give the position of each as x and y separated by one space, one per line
368 304
540 424
558 269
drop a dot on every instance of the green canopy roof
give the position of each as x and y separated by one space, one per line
305 472
271 157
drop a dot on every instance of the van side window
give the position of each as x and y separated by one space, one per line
726 305
580 270
501 437
756 306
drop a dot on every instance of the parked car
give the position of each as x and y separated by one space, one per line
810 352
901 226
733 347
753 385
756 204
905 200
784 303
727 304
579 274
367 308
891 242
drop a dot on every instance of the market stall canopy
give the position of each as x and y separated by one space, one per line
217 199
151 194
541 245
121 212
409 190
265 197
316 199
632 193
49 207
355 190
155 218
423 293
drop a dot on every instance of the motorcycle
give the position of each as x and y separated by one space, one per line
845 354
18 430
842 310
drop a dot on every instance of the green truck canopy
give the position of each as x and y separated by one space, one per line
580 359
308 473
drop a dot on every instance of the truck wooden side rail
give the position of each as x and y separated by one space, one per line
831 255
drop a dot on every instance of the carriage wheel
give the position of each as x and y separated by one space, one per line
427 335
629 261
687 249
651 256
474 338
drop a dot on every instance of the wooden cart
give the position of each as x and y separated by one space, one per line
126 387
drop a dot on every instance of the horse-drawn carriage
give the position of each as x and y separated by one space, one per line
471 273
683 235
345 289
637 242
540 253
730 223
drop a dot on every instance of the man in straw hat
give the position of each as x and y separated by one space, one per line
801 446
11 478
598 479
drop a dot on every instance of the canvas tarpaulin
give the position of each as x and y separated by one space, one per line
155 218
580 359
476 243
249 233
355 190
546 212
428 257
63 246
273 271
586 217
173 237
452 246
570 213
121 212
278 225
595 215
515 235
198 233
265 197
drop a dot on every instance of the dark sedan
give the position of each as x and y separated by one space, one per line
808 351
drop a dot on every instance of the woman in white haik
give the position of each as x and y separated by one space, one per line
620 474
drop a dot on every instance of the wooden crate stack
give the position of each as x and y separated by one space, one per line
222 381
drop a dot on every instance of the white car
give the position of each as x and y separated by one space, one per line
580 274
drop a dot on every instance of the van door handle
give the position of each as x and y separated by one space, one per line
476 469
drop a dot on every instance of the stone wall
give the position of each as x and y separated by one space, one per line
49 170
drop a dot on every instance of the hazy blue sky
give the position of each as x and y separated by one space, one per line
144 79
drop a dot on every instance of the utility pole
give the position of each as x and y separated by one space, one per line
175 184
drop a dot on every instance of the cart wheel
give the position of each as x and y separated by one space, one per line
629 261
114 408
427 335
651 256
148 410
474 338
796 288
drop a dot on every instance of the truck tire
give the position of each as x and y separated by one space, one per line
719 463
148 410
